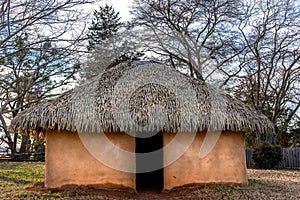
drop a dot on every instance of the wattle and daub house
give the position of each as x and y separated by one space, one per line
97 133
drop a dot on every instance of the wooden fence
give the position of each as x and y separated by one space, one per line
290 158
20 157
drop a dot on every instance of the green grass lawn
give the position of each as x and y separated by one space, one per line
17 177
24 180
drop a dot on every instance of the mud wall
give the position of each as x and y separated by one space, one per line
226 163
68 162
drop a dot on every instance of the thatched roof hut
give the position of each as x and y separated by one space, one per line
89 107
123 99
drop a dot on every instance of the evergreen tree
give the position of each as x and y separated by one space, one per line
105 24
110 42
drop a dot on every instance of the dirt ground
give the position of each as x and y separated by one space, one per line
263 184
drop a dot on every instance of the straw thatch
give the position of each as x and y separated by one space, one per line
120 100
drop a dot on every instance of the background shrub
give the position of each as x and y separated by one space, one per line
267 156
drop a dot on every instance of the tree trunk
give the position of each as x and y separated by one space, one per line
14 144
25 144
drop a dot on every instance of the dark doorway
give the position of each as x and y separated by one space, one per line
152 180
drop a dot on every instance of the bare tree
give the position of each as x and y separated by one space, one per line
38 46
270 79
197 34
253 46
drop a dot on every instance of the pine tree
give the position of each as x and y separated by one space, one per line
110 42
105 24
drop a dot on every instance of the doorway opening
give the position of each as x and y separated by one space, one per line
145 161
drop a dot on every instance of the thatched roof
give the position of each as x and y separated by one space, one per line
124 98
